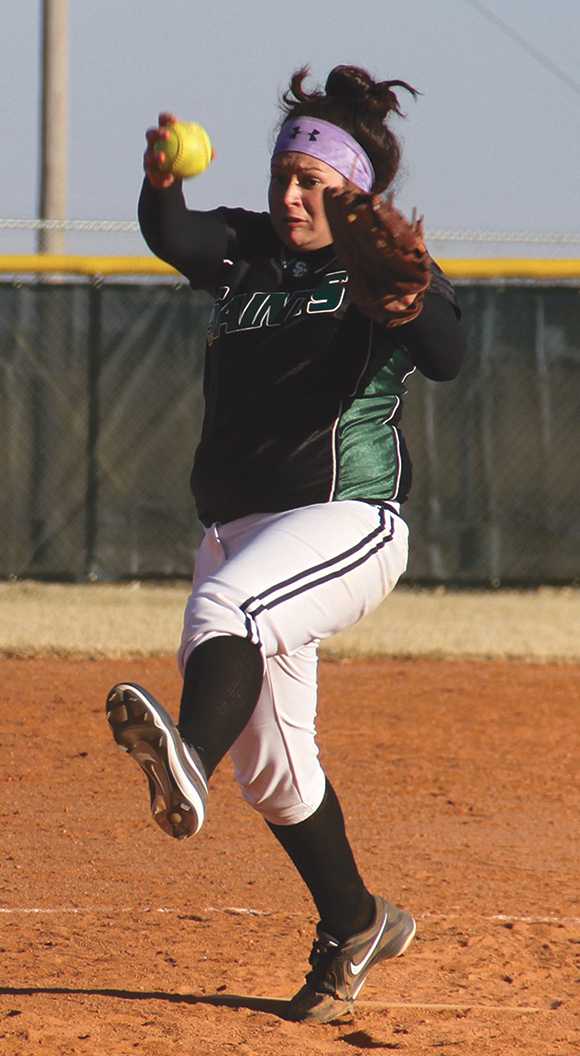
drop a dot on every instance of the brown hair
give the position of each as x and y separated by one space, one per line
361 106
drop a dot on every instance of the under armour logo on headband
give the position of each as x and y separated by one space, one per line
312 136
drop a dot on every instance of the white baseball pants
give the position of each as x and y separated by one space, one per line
286 581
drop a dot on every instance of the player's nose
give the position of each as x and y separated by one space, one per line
291 193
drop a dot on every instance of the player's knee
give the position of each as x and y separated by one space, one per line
277 796
209 614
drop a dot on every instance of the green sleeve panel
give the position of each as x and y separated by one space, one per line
368 446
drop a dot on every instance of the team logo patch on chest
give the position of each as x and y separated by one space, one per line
298 269
249 311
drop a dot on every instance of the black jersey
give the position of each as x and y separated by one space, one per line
303 393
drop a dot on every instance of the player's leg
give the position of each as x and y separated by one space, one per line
222 679
221 685
241 596
277 583
280 581
356 929
276 757
277 765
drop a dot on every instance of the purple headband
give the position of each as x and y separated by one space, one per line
329 143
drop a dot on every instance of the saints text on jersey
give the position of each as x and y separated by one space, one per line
249 311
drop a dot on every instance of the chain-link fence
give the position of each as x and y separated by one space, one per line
101 403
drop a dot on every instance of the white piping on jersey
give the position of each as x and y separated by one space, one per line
395 433
408 375
395 490
333 444
393 412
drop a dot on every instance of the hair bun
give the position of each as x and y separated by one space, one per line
348 83
354 85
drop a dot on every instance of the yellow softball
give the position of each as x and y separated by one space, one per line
187 151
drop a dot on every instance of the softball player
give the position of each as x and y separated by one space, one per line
299 478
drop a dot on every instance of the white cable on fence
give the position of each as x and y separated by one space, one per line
68 225
434 234
497 237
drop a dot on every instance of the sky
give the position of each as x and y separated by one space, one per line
492 143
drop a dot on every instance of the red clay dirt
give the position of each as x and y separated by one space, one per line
460 787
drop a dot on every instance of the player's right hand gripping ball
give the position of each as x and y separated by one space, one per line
185 150
384 254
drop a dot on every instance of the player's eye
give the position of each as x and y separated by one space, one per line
309 181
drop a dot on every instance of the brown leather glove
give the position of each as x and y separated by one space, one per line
384 254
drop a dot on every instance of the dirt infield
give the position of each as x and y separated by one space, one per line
460 783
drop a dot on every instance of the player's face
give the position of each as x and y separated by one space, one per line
296 200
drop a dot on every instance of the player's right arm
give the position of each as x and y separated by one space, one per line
202 245
194 242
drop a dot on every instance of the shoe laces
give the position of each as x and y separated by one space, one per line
322 955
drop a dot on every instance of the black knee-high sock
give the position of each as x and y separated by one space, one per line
221 686
321 852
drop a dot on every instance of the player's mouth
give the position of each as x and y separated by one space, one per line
292 221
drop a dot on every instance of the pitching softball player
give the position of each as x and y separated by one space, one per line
299 479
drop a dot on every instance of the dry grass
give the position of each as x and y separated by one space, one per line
139 619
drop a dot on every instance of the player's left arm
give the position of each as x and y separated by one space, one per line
435 339
394 281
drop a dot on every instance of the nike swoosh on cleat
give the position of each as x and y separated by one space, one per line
356 969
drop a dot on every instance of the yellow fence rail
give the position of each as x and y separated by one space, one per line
458 268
